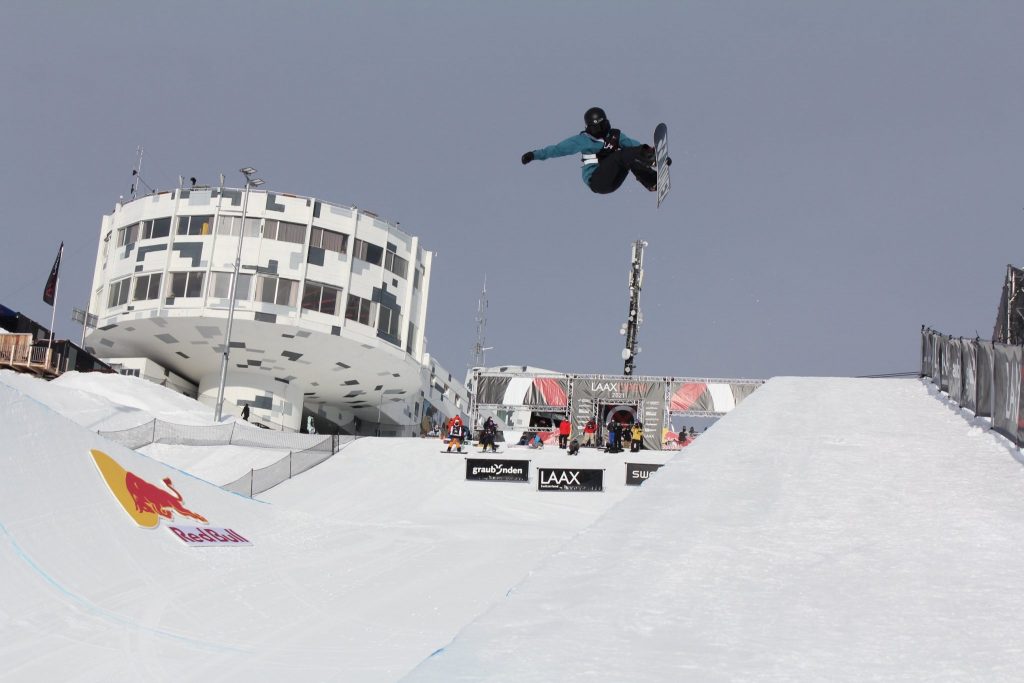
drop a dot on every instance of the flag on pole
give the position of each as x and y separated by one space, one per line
51 283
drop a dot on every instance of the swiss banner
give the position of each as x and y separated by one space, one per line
1006 397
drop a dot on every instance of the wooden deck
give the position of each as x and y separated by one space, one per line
19 353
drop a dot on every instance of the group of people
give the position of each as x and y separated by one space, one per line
685 436
620 434
457 433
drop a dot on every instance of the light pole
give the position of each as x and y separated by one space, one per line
380 405
250 181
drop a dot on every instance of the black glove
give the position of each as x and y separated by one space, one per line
668 161
528 157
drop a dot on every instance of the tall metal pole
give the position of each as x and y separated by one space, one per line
53 315
480 348
630 329
249 182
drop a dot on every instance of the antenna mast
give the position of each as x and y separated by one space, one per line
480 347
635 318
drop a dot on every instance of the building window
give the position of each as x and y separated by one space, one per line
147 287
365 251
156 228
359 309
129 234
231 225
118 293
396 264
222 286
276 290
329 240
416 278
411 338
387 324
322 298
285 232
188 284
194 225
129 372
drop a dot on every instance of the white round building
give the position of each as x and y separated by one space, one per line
331 305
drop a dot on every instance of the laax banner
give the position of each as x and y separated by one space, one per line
478 469
146 503
639 472
558 479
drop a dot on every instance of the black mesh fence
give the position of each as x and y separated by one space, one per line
307 450
259 480
235 434
135 437
981 376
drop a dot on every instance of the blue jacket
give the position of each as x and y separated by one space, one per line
585 145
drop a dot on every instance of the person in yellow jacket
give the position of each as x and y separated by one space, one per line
636 437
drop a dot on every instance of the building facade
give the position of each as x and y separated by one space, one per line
330 307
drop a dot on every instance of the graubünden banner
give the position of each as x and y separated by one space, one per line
479 469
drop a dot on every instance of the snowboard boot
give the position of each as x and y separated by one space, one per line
647 177
646 157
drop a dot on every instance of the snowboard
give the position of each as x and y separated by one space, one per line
661 161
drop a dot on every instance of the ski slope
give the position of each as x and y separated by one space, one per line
827 529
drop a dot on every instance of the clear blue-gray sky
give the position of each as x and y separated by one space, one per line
844 171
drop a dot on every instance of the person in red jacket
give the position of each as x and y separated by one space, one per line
589 433
564 429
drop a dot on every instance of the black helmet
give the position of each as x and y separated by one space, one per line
596 122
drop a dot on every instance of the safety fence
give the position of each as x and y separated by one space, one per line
982 376
307 450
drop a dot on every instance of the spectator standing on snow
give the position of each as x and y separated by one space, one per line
589 433
613 437
637 437
488 434
245 412
564 429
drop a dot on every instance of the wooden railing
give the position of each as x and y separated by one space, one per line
18 352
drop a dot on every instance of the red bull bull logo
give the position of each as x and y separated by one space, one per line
144 502
147 503
149 498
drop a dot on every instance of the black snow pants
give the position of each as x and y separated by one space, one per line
613 169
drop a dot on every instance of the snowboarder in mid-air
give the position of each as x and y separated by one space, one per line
609 155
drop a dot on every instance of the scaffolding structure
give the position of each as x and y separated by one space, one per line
579 396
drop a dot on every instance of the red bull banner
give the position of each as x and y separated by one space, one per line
147 504
207 536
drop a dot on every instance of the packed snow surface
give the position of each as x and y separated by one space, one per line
827 529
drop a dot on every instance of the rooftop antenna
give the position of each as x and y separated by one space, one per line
137 174
635 318
480 348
